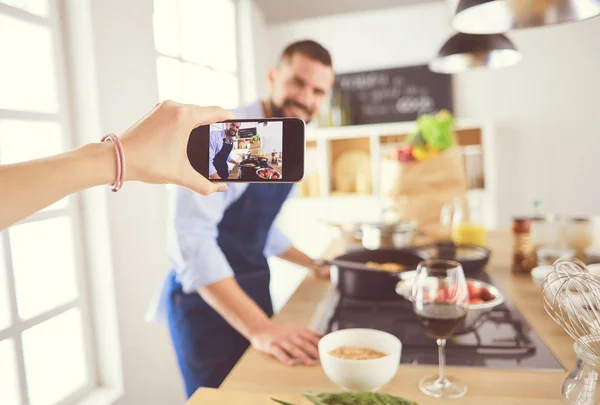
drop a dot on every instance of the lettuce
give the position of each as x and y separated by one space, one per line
434 131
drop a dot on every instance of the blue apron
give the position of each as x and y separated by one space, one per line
220 160
207 347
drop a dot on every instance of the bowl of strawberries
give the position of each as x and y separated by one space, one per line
483 298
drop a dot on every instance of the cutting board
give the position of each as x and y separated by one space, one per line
352 172
206 396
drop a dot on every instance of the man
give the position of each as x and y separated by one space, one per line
221 145
217 298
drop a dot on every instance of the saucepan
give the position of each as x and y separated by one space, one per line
380 235
389 236
372 274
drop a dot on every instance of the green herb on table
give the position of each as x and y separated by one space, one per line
352 398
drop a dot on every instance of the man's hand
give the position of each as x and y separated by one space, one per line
215 176
321 271
289 343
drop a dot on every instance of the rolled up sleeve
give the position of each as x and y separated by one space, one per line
197 258
277 242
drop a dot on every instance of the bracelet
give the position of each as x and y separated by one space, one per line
120 155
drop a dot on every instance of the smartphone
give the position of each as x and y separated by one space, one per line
249 150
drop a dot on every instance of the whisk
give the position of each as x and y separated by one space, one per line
571 297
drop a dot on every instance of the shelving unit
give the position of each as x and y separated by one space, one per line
326 146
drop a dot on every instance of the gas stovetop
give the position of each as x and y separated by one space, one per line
504 339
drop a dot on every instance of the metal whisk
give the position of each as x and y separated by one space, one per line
571 296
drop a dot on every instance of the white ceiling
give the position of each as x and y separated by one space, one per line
280 11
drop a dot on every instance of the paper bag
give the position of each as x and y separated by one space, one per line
419 190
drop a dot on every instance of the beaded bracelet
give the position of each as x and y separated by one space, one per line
120 155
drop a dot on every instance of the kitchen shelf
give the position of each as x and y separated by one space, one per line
393 128
325 146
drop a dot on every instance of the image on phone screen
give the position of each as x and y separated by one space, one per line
246 151
260 150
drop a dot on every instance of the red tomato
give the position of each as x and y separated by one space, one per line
475 301
474 291
442 295
486 295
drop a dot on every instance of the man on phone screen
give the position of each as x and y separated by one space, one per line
219 153
216 298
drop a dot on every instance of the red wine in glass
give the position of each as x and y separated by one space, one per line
441 319
440 300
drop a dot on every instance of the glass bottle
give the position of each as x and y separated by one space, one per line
581 387
463 221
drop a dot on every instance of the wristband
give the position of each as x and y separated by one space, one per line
120 159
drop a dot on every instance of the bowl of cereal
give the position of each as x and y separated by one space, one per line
360 359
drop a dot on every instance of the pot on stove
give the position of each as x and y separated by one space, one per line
389 235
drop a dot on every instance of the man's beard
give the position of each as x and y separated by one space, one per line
278 112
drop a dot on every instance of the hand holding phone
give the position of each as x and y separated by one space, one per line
249 150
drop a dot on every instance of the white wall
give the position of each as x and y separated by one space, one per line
544 110
271 137
262 54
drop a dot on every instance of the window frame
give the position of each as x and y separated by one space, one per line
73 211
182 61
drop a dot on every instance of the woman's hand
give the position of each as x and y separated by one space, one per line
156 146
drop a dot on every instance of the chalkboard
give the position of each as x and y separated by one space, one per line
390 95
247 132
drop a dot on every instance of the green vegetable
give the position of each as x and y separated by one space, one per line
433 131
415 139
256 138
352 398
279 401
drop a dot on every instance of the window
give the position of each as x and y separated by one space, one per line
197 52
45 345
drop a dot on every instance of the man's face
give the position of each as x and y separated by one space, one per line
232 129
299 85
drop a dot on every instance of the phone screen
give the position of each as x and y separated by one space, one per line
249 150
246 151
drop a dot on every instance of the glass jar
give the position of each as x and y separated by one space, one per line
579 234
524 254
546 231
582 385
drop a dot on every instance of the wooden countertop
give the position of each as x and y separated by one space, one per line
264 377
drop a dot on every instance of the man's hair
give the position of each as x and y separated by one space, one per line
308 48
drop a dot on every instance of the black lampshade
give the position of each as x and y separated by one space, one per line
468 51
498 16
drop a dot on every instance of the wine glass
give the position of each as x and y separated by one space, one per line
440 300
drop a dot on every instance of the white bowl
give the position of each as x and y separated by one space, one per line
594 268
360 375
539 273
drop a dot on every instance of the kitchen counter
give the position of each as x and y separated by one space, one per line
263 376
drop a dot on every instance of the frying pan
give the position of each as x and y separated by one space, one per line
354 279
